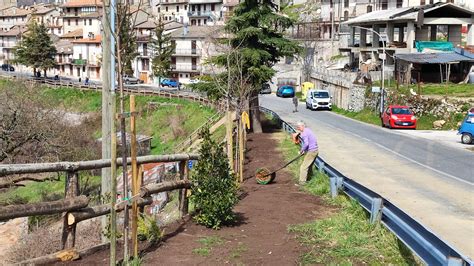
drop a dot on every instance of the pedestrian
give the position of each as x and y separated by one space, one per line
295 102
309 149
87 81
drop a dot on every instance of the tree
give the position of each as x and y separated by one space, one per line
162 48
127 37
36 48
257 29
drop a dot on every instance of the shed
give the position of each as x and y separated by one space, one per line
432 67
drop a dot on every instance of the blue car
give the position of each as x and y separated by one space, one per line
467 129
169 83
286 91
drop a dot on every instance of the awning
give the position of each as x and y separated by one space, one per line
433 58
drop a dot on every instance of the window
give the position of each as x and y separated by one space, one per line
180 75
85 22
384 4
422 2
369 9
213 7
177 8
59 31
399 3
193 8
205 21
331 4
185 7
77 22
69 22
431 2
90 22
68 10
159 9
204 7
346 3
346 15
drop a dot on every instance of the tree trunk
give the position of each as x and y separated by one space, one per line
256 125
43 208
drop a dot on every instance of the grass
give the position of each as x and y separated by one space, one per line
452 89
345 237
207 243
73 99
366 115
40 191
237 252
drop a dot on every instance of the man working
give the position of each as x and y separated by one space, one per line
309 149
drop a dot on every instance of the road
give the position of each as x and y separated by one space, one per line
431 181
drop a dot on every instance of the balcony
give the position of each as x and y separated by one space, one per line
167 2
79 62
64 61
200 14
185 68
187 52
191 2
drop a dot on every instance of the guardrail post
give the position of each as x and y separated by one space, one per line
321 166
375 210
335 184
453 261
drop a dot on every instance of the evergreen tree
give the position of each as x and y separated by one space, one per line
257 32
36 48
162 48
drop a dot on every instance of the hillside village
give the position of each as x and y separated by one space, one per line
331 28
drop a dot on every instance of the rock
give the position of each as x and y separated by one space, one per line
438 124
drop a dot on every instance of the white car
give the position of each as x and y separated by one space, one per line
318 99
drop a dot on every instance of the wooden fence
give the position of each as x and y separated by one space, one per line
136 90
76 207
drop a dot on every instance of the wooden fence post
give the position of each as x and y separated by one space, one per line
183 200
71 191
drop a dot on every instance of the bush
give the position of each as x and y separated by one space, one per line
148 229
214 189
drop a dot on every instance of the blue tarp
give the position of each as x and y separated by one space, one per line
440 46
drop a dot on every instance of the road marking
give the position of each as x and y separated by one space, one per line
423 165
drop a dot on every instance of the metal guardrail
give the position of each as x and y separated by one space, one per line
426 244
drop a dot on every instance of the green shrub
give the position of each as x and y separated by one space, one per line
148 229
214 189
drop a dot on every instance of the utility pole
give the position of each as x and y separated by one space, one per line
109 142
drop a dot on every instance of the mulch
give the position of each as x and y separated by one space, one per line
259 236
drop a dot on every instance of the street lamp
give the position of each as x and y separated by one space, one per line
382 56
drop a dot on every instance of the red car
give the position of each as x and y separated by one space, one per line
396 116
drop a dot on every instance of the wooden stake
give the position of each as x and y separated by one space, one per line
135 185
241 150
71 191
183 200
113 193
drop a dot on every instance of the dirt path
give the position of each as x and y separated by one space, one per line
260 236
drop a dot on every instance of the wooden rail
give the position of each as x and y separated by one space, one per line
128 90
75 207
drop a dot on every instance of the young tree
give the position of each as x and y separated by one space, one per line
214 189
257 29
162 48
128 39
36 48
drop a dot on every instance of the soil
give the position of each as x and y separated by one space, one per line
259 236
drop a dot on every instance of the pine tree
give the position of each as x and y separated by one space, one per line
162 48
36 48
257 32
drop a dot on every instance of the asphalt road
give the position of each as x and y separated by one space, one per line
442 160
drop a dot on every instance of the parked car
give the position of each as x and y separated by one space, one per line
286 91
169 83
7 67
318 99
131 80
265 89
466 130
397 116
